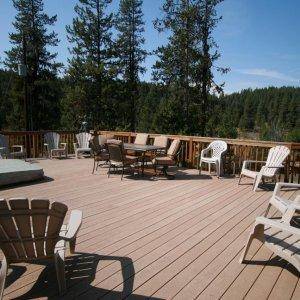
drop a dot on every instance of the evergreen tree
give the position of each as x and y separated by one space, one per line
129 52
90 68
30 43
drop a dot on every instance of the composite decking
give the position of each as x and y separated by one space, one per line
155 239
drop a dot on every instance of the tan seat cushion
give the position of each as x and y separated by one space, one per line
131 158
163 161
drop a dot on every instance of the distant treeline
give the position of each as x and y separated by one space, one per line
267 114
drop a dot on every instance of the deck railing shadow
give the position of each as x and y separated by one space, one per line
80 273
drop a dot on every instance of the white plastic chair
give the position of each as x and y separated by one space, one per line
282 204
276 157
280 237
82 145
217 149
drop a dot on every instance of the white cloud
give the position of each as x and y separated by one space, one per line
269 73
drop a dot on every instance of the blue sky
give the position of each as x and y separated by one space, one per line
259 39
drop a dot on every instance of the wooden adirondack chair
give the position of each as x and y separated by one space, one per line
82 145
18 150
217 149
280 237
276 157
53 146
33 231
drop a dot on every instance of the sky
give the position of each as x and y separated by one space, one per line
259 40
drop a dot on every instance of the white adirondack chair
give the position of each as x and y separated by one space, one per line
32 231
18 150
279 236
276 157
282 204
83 143
217 149
53 146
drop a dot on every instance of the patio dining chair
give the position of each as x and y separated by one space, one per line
217 149
53 145
99 151
166 161
18 151
32 231
83 143
276 157
141 139
118 159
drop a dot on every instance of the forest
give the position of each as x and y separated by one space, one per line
101 83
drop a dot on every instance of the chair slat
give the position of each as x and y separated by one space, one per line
24 224
8 230
39 222
58 212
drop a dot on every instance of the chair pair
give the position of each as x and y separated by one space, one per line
275 159
32 231
18 151
278 235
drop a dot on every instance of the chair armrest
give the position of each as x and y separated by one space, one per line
73 225
276 224
247 162
280 185
204 151
21 147
64 145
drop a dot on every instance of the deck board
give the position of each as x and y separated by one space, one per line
156 239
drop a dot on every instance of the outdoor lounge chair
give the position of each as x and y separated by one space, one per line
118 158
82 145
32 231
276 157
168 160
54 147
279 236
282 204
217 149
18 151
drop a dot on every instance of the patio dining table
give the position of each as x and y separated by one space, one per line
142 149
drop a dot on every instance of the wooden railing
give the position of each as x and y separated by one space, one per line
238 150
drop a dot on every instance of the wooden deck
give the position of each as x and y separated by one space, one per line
155 239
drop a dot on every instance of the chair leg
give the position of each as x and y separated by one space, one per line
256 182
122 172
267 210
209 169
108 172
218 169
72 244
240 179
247 247
3 274
60 273
200 164
94 167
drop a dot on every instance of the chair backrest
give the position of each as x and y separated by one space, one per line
83 139
115 150
276 157
218 148
161 141
29 230
52 139
174 148
141 139
4 145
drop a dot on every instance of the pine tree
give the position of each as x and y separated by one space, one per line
91 65
129 52
31 41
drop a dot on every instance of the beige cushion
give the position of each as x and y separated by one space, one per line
161 141
164 161
131 158
141 139
174 147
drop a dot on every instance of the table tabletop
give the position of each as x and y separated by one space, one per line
141 148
